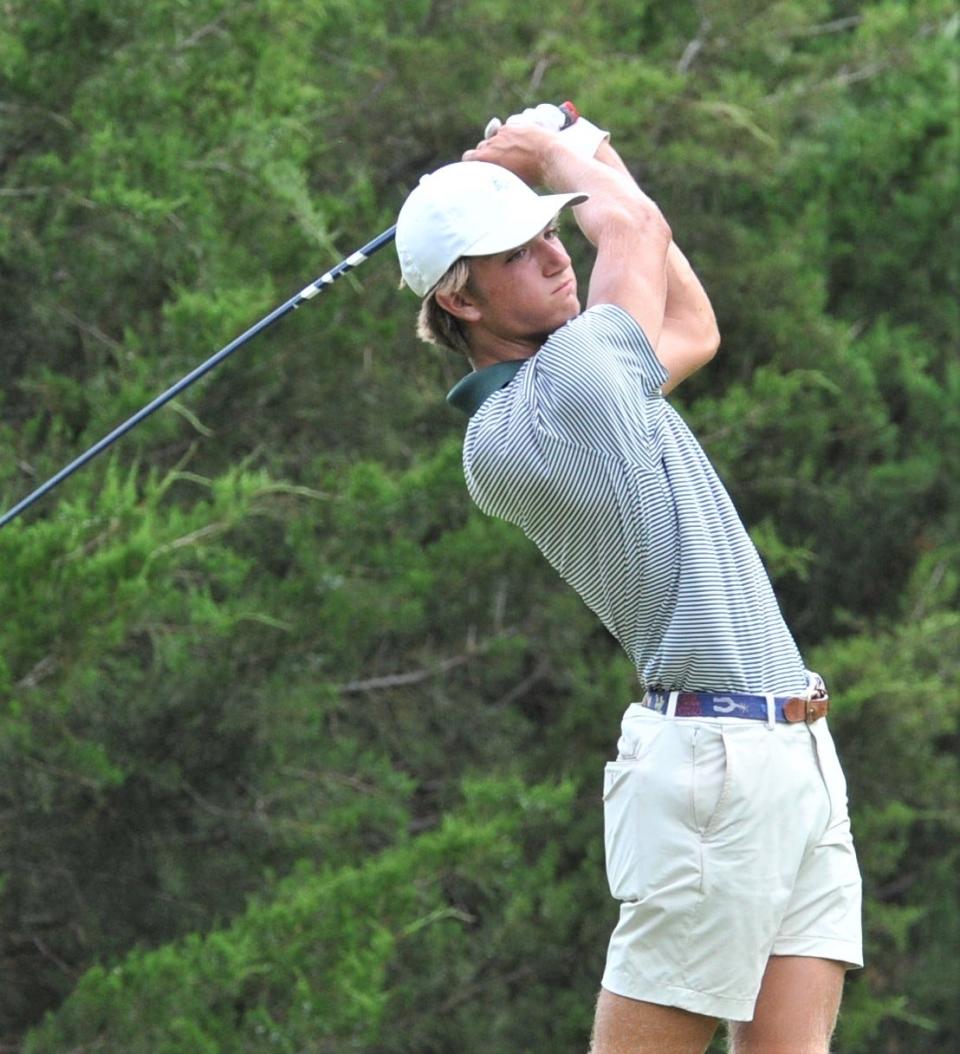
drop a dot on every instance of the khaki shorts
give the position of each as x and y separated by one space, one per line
727 842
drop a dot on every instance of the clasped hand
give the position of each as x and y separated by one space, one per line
524 149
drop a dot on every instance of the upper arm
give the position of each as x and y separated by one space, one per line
683 351
630 268
594 381
631 276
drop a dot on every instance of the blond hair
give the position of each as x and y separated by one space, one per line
435 324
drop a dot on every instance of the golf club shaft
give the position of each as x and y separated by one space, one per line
308 293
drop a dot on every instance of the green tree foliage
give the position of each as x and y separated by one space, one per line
391 955
904 787
300 752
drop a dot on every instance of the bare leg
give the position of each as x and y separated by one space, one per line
796 1010
630 1026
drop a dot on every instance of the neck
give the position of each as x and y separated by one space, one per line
487 349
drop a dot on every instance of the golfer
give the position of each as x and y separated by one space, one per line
727 837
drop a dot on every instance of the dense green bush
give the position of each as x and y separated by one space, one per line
300 752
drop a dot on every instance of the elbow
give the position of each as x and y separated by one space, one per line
659 228
708 340
646 220
711 344
704 353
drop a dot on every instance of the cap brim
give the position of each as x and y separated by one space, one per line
515 228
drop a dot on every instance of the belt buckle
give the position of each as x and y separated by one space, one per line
800 708
816 708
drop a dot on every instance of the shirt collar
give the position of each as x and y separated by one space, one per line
469 393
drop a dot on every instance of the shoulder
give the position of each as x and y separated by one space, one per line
502 459
593 385
604 342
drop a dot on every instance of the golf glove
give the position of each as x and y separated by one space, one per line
582 135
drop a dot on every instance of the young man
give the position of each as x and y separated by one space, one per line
727 837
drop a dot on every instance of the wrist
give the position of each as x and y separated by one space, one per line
560 163
585 138
545 151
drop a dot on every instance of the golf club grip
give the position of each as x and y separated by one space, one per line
573 114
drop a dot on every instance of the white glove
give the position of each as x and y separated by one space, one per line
546 115
582 135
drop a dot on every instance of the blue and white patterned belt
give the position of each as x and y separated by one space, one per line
809 707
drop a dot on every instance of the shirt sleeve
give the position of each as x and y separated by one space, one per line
595 381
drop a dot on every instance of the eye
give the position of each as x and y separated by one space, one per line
517 254
552 232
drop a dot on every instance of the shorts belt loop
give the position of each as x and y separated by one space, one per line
672 704
771 711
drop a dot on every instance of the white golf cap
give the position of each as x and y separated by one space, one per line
470 208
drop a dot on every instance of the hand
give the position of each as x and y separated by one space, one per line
581 135
546 115
524 149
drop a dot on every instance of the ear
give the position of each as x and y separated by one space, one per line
461 305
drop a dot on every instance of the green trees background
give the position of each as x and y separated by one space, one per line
298 752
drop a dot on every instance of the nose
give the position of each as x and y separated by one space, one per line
553 256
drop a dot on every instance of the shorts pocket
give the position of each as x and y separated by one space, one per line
710 781
639 730
624 806
831 771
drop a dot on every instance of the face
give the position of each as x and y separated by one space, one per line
521 296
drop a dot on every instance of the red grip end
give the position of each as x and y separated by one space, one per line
571 111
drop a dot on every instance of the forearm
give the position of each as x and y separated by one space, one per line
630 233
687 300
690 336
617 205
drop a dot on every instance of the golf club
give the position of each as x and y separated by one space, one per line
308 293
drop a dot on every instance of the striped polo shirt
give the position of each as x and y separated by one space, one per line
579 448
